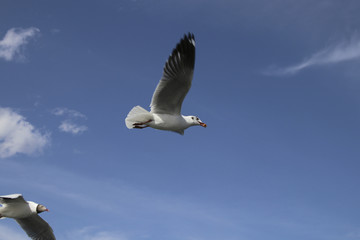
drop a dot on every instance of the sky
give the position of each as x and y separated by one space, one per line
277 82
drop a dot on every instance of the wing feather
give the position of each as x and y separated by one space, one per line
12 199
36 228
176 80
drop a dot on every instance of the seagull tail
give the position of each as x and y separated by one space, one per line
137 115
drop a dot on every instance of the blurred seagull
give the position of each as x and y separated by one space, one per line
26 214
169 94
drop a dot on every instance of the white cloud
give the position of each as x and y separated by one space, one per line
9 234
70 127
344 51
15 39
19 136
67 112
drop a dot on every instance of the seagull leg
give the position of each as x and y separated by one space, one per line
141 125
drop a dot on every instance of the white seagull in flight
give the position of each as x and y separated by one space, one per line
169 94
26 214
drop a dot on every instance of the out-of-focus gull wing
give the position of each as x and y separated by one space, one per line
12 199
36 228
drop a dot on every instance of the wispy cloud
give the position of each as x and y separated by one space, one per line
120 210
86 233
92 233
19 136
68 125
343 51
7 233
55 31
110 198
61 111
14 41
354 234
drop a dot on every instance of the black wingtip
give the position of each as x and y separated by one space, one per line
182 55
189 37
184 43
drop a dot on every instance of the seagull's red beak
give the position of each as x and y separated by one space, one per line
47 210
203 124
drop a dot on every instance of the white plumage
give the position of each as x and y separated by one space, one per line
26 215
169 94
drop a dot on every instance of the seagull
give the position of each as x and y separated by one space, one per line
26 214
169 94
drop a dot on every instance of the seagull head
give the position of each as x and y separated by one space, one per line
196 121
37 208
41 208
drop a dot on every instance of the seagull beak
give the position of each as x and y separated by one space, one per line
203 124
47 210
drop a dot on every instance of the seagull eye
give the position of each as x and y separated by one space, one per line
197 118
192 118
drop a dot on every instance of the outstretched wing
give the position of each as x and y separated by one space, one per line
36 228
12 199
176 80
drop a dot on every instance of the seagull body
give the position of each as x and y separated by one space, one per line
169 94
26 215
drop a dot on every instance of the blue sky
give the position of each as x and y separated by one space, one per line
276 82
